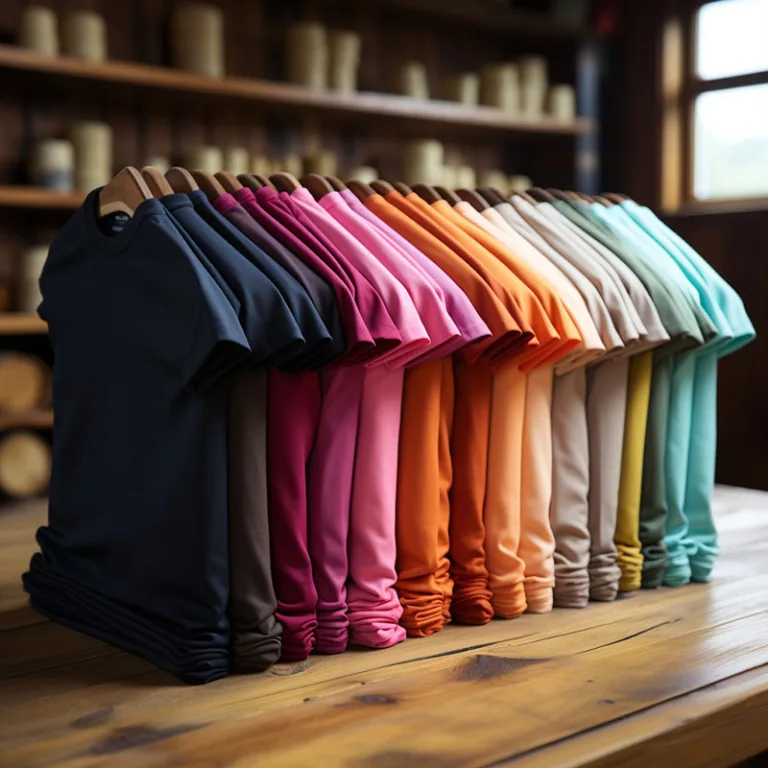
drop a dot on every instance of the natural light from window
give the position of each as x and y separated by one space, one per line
732 38
731 125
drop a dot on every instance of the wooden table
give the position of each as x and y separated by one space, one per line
674 677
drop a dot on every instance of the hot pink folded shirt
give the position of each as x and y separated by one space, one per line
396 299
471 326
444 335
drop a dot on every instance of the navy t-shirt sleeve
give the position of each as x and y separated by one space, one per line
216 343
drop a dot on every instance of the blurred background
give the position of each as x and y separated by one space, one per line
664 101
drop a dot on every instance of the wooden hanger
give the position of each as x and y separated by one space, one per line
317 185
492 195
382 187
181 180
156 181
209 184
252 181
335 182
402 188
603 201
477 202
228 181
285 182
542 195
360 189
125 193
426 193
614 197
448 195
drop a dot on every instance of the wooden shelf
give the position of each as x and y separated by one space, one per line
38 419
38 197
21 324
241 89
486 16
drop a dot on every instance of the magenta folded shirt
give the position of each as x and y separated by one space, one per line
360 343
397 300
471 326
372 307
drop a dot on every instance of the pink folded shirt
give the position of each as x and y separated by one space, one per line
443 332
396 299
471 326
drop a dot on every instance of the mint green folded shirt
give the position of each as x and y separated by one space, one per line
691 537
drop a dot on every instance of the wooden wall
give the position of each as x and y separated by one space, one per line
734 243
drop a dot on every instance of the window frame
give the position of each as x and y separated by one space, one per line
680 87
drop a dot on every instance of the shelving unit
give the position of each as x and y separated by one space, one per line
38 419
21 324
38 198
174 82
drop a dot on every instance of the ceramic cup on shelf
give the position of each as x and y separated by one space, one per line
308 55
500 87
236 160
53 165
466 178
495 178
464 88
344 52
93 154
84 34
562 102
364 173
324 163
39 30
261 165
206 158
161 162
28 296
412 80
519 183
424 161
197 39
291 163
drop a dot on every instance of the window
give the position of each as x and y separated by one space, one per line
715 64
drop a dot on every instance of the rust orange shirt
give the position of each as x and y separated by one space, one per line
542 307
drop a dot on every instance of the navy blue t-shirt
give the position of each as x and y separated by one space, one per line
311 287
263 310
135 551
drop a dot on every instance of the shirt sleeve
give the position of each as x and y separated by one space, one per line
217 343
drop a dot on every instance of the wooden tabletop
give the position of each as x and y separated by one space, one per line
672 677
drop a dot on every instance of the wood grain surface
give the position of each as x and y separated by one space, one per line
666 678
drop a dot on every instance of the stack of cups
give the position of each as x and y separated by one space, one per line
533 85
496 179
519 183
207 159
412 80
261 165
324 163
364 173
465 177
53 165
197 39
28 296
84 34
308 56
500 87
345 59
39 30
562 102
424 161
93 154
236 160
161 162
464 88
